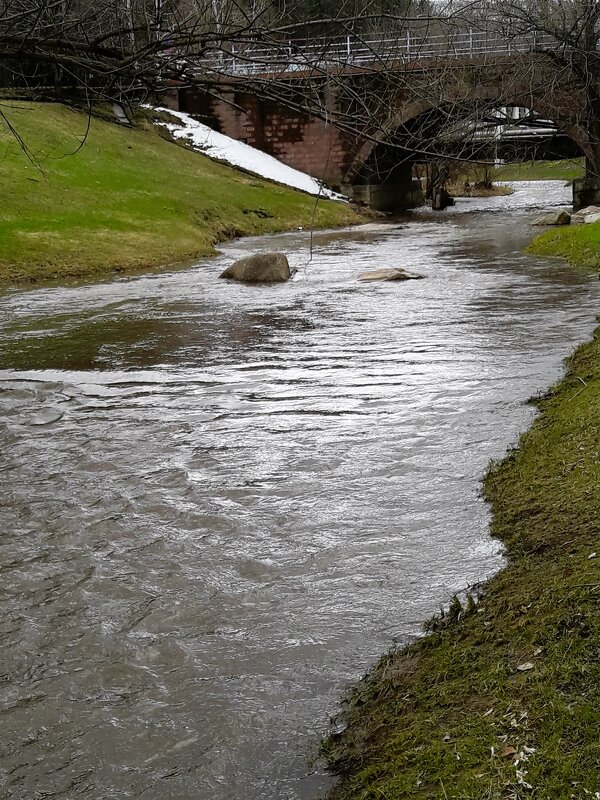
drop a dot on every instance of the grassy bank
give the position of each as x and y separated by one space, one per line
502 700
579 244
126 200
563 170
485 180
463 188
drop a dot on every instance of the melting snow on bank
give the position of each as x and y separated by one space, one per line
215 145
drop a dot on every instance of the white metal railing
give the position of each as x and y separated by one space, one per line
368 51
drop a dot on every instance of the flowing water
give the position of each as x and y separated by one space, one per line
221 503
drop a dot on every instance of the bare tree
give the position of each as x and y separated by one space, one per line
568 39
371 54
112 49
108 48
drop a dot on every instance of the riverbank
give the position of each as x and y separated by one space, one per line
89 197
578 244
466 189
487 180
566 169
502 700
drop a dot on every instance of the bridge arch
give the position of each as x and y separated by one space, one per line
380 173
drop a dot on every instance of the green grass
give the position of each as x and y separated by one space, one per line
449 715
125 200
579 244
563 170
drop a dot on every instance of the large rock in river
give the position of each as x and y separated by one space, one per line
554 218
388 275
259 268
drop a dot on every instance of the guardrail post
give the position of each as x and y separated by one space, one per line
471 41
408 43
348 47
233 62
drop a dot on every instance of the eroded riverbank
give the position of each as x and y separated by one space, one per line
222 503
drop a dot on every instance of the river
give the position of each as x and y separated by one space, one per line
221 503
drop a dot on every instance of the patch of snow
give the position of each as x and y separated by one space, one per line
216 145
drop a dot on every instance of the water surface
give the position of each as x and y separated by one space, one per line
221 503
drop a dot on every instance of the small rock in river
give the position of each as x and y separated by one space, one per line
388 275
46 417
582 215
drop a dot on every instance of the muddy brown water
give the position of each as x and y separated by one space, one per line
221 503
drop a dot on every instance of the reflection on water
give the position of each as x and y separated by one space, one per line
220 503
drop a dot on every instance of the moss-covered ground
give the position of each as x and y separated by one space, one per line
502 699
81 197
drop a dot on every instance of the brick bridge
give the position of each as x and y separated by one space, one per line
360 127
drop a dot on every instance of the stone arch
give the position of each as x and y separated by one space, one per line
362 180
571 128
395 120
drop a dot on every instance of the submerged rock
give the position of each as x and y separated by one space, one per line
259 268
388 275
554 218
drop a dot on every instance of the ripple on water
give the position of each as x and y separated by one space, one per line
220 503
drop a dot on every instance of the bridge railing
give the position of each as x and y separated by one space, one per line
367 51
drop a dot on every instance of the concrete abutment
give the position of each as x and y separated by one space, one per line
586 192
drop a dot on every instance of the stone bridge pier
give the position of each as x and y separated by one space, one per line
393 190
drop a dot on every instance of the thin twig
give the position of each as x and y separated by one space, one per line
585 386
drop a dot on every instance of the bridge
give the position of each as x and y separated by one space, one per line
342 53
358 113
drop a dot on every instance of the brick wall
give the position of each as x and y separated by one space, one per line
302 142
